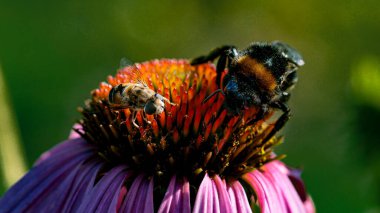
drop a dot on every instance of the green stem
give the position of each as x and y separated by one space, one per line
12 164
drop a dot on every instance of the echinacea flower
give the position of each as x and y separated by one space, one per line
193 157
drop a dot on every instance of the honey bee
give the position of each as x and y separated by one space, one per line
137 97
261 75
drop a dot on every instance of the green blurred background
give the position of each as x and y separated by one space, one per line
53 53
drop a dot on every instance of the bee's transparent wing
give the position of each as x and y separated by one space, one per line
136 74
289 52
125 62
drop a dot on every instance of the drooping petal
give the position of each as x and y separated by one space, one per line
43 178
212 196
82 185
129 200
269 200
204 200
66 145
309 205
291 186
177 197
232 196
54 200
238 197
276 191
222 193
105 194
295 177
140 196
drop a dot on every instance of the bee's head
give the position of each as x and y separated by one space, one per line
281 59
294 59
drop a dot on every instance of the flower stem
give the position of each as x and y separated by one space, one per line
12 164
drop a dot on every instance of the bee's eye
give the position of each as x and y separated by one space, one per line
150 108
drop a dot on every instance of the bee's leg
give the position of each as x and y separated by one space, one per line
134 115
145 118
220 66
212 94
224 61
167 100
280 121
224 52
212 55
116 107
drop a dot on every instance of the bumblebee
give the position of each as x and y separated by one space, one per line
260 75
137 97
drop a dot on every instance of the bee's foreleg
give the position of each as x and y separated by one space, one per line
145 118
212 94
225 61
134 115
212 55
281 120
168 101
220 66
278 125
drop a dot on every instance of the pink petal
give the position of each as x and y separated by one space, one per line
222 193
82 185
275 190
68 144
269 200
140 196
309 205
59 195
238 197
292 186
177 197
212 196
103 197
46 177
275 172
204 199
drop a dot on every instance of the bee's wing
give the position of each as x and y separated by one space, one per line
136 73
137 77
289 52
125 62
142 82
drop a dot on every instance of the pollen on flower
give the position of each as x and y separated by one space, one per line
188 138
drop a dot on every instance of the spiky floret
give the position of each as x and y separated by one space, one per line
188 139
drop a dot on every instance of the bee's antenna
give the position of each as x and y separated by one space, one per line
212 94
